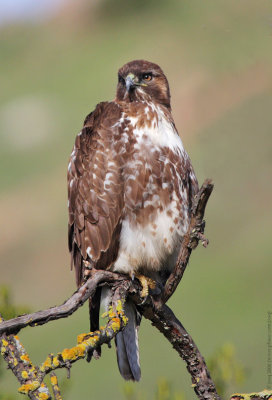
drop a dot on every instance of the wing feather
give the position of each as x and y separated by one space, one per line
95 191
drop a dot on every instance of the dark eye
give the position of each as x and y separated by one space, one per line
147 77
121 79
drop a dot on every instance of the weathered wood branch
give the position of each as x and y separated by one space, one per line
165 321
64 310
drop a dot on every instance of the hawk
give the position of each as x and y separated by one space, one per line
130 191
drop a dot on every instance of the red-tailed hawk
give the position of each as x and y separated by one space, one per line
130 190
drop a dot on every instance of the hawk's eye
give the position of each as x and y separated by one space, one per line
147 77
121 79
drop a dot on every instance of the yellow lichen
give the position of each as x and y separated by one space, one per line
92 341
24 374
115 325
3 350
55 361
43 396
25 358
29 387
54 380
82 337
47 364
5 343
119 307
73 353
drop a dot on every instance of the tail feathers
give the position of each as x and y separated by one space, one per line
127 346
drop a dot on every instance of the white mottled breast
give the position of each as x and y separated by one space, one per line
152 243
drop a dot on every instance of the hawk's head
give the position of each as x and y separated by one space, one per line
141 80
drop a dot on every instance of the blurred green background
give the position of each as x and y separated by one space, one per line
55 67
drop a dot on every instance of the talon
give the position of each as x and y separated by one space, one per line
146 284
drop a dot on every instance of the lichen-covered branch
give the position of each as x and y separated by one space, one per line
19 362
264 395
55 386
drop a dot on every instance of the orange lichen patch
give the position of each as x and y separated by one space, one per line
143 244
171 229
54 380
25 358
73 353
115 324
24 374
29 387
165 240
43 396
47 364
82 337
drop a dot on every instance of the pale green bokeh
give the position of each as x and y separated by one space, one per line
217 56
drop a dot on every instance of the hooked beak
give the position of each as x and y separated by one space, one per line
131 81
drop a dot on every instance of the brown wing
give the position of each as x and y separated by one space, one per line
95 192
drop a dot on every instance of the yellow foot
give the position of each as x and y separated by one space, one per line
146 284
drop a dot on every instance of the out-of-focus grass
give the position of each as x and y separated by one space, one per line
217 57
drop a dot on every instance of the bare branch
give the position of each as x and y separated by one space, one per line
67 308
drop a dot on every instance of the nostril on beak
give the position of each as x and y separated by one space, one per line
130 81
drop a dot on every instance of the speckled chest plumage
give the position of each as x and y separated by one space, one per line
156 199
130 189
